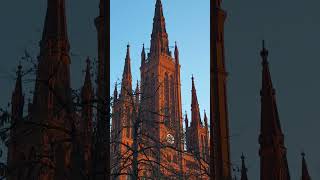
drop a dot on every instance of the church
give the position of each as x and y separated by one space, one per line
147 121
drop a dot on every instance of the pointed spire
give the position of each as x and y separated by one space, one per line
17 99
305 173
88 74
87 91
176 52
18 87
244 175
127 66
53 62
186 120
137 94
270 122
143 55
271 138
195 118
159 36
87 112
55 26
205 119
126 85
115 92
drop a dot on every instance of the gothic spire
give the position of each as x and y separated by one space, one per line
18 87
244 175
127 66
270 122
126 86
143 56
272 152
195 116
305 173
55 26
137 94
176 53
86 97
88 74
87 86
159 36
18 97
186 120
53 63
205 119
115 92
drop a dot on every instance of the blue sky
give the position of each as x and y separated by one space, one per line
187 22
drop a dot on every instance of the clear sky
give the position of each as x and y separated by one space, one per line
187 22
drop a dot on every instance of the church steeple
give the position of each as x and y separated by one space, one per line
270 122
159 36
305 173
87 121
55 35
272 151
87 81
143 56
87 91
126 86
137 95
17 99
127 66
186 120
244 175
115 93
176 53
205 119
54 62
195 113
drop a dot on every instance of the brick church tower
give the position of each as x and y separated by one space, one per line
160 81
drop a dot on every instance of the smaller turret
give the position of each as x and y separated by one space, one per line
195 113
176 53
205 119
137 96
115 93
143 56
17 98
305 173
87 114
186 120
244 175
86 100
